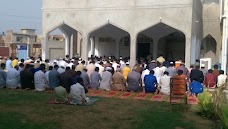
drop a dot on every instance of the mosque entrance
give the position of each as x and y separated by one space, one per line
144 45
208 48
164 40
172 46
109 40
143 49
63 40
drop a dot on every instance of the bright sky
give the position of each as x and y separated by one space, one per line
17 14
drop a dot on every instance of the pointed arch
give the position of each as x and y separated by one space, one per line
107 40
106 24
208 48
159 23
166 40
209 44
60 25
56 48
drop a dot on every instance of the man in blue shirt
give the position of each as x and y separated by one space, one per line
196 87
150 82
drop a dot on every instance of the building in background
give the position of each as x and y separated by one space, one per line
4 48
27 43
23 44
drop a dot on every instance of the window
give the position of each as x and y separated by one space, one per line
19 39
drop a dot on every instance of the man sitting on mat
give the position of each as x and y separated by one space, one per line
60 95
195 87
134 81
150 83
77 94
164 85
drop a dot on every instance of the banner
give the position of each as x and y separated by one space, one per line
22 51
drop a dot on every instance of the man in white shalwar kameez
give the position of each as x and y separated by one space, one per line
106 80
40 80
164 84
77 94
158 72
13 78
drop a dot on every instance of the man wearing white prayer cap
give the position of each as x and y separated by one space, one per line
106 80
203 69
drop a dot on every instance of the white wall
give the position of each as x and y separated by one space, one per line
211 25
56 49
132 16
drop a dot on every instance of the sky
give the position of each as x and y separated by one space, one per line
17 14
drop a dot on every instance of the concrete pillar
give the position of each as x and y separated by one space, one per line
84 50
224 46
44 47
198 47
117 47
71 46
67 45
75 43
193 50
96 46
79 44
155 48
188 51
133 45
92 45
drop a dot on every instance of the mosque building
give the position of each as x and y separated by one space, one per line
177 29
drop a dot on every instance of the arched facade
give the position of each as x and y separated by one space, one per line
56 49
162 38
208 48
107 40
172 46
134 17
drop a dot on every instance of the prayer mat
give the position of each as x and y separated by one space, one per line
158 98
192 100
111 94
174 100
54 102
96 93
125 95
141 96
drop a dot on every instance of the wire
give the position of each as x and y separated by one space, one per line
11 15
23 21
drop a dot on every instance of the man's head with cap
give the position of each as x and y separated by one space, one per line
153 61
202 65
171 64
108 69
182 64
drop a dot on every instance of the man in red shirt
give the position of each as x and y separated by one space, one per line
210 80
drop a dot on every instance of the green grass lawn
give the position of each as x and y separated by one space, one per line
21 109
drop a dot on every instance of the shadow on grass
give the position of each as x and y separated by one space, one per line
160 117
15 120
30 110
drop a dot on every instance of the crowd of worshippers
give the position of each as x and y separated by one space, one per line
73 76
